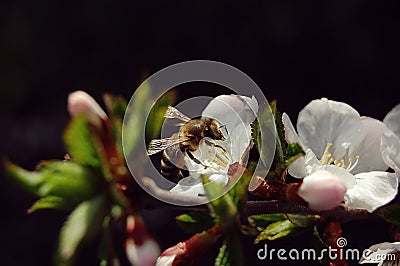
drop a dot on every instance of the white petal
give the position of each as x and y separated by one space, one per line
143 255
303 166
378 251
219 178
297 169
368 146
325 121
392 120
230 110
190 186
239 142
290 133
390 146
372 190
345 176
165 260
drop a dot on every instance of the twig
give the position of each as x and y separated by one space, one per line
189 203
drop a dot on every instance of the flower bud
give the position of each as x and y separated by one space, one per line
79 102
141 248
190 251
322 190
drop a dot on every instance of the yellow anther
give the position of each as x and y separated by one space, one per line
357 157
330 144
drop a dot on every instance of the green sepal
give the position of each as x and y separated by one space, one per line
82 225
195 222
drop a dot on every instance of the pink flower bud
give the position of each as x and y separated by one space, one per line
189 252
141 248
322 190
79 102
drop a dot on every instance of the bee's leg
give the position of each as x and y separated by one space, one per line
191 156
209 143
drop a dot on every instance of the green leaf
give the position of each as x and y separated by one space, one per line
60 184
302 220
27 180
106 252
390 213
48 202
134 120
116 107
281 143
277 230
195 222
294 151
79 142
238 192
256 134
156 117
230 253
83 225
263 220
223 206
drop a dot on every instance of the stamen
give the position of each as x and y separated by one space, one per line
327 158
351 165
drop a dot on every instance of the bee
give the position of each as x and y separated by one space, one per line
184 143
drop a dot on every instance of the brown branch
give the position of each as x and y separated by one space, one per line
341 212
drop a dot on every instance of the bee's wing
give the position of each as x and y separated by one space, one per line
175 113
157 145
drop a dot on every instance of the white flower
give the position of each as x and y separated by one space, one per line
338 140
79 102
392 120
390 142
236 113
385 254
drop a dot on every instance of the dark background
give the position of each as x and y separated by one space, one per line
295 51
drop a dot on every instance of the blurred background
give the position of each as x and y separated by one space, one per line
295 51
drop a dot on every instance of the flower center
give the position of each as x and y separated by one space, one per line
346 162
218 160
214 156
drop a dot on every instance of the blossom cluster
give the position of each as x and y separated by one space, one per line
340 159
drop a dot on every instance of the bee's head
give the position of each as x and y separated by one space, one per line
213 130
